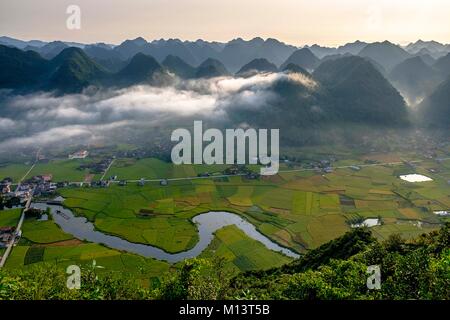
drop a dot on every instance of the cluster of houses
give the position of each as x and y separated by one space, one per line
237 169
5 185
7 234
39 186
9 199
43 185
323 166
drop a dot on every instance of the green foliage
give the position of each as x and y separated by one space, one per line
9 218
337 270
19 68
339 280
46 282
198 279
341 248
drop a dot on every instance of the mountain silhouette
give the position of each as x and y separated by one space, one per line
256 66
303 58
211 68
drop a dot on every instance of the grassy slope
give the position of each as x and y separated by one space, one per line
9 218
242 253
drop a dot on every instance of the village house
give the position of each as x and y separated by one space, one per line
79 154
204 174
328 170
5 188
47 177
100 183
6 235
62 184
252 176
5 185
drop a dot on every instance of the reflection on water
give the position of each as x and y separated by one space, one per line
207 224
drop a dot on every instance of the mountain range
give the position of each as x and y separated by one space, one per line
357 82
233 54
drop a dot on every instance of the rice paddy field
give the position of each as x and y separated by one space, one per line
44 242
298 208
61 170
14 171
242 253
9 218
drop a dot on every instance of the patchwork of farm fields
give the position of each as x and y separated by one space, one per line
44 243
298 209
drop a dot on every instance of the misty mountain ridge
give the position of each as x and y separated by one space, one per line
211 68
257 66
361 92
141 69
20 68
348 87
435 109
415 79
385 53
434 48
74 71
179 67
442 65
292 67
233 54
303 58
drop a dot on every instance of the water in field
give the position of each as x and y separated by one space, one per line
371 222
207 224
415 178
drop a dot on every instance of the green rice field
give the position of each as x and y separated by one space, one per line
297 208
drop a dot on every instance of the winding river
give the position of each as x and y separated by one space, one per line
207 224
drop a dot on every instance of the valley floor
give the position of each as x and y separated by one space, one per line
306 205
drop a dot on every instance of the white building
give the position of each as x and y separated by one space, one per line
79 155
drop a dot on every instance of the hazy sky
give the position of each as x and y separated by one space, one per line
298 22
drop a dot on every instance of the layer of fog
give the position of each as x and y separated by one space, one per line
43 119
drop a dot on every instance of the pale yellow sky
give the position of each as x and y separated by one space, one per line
298 22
